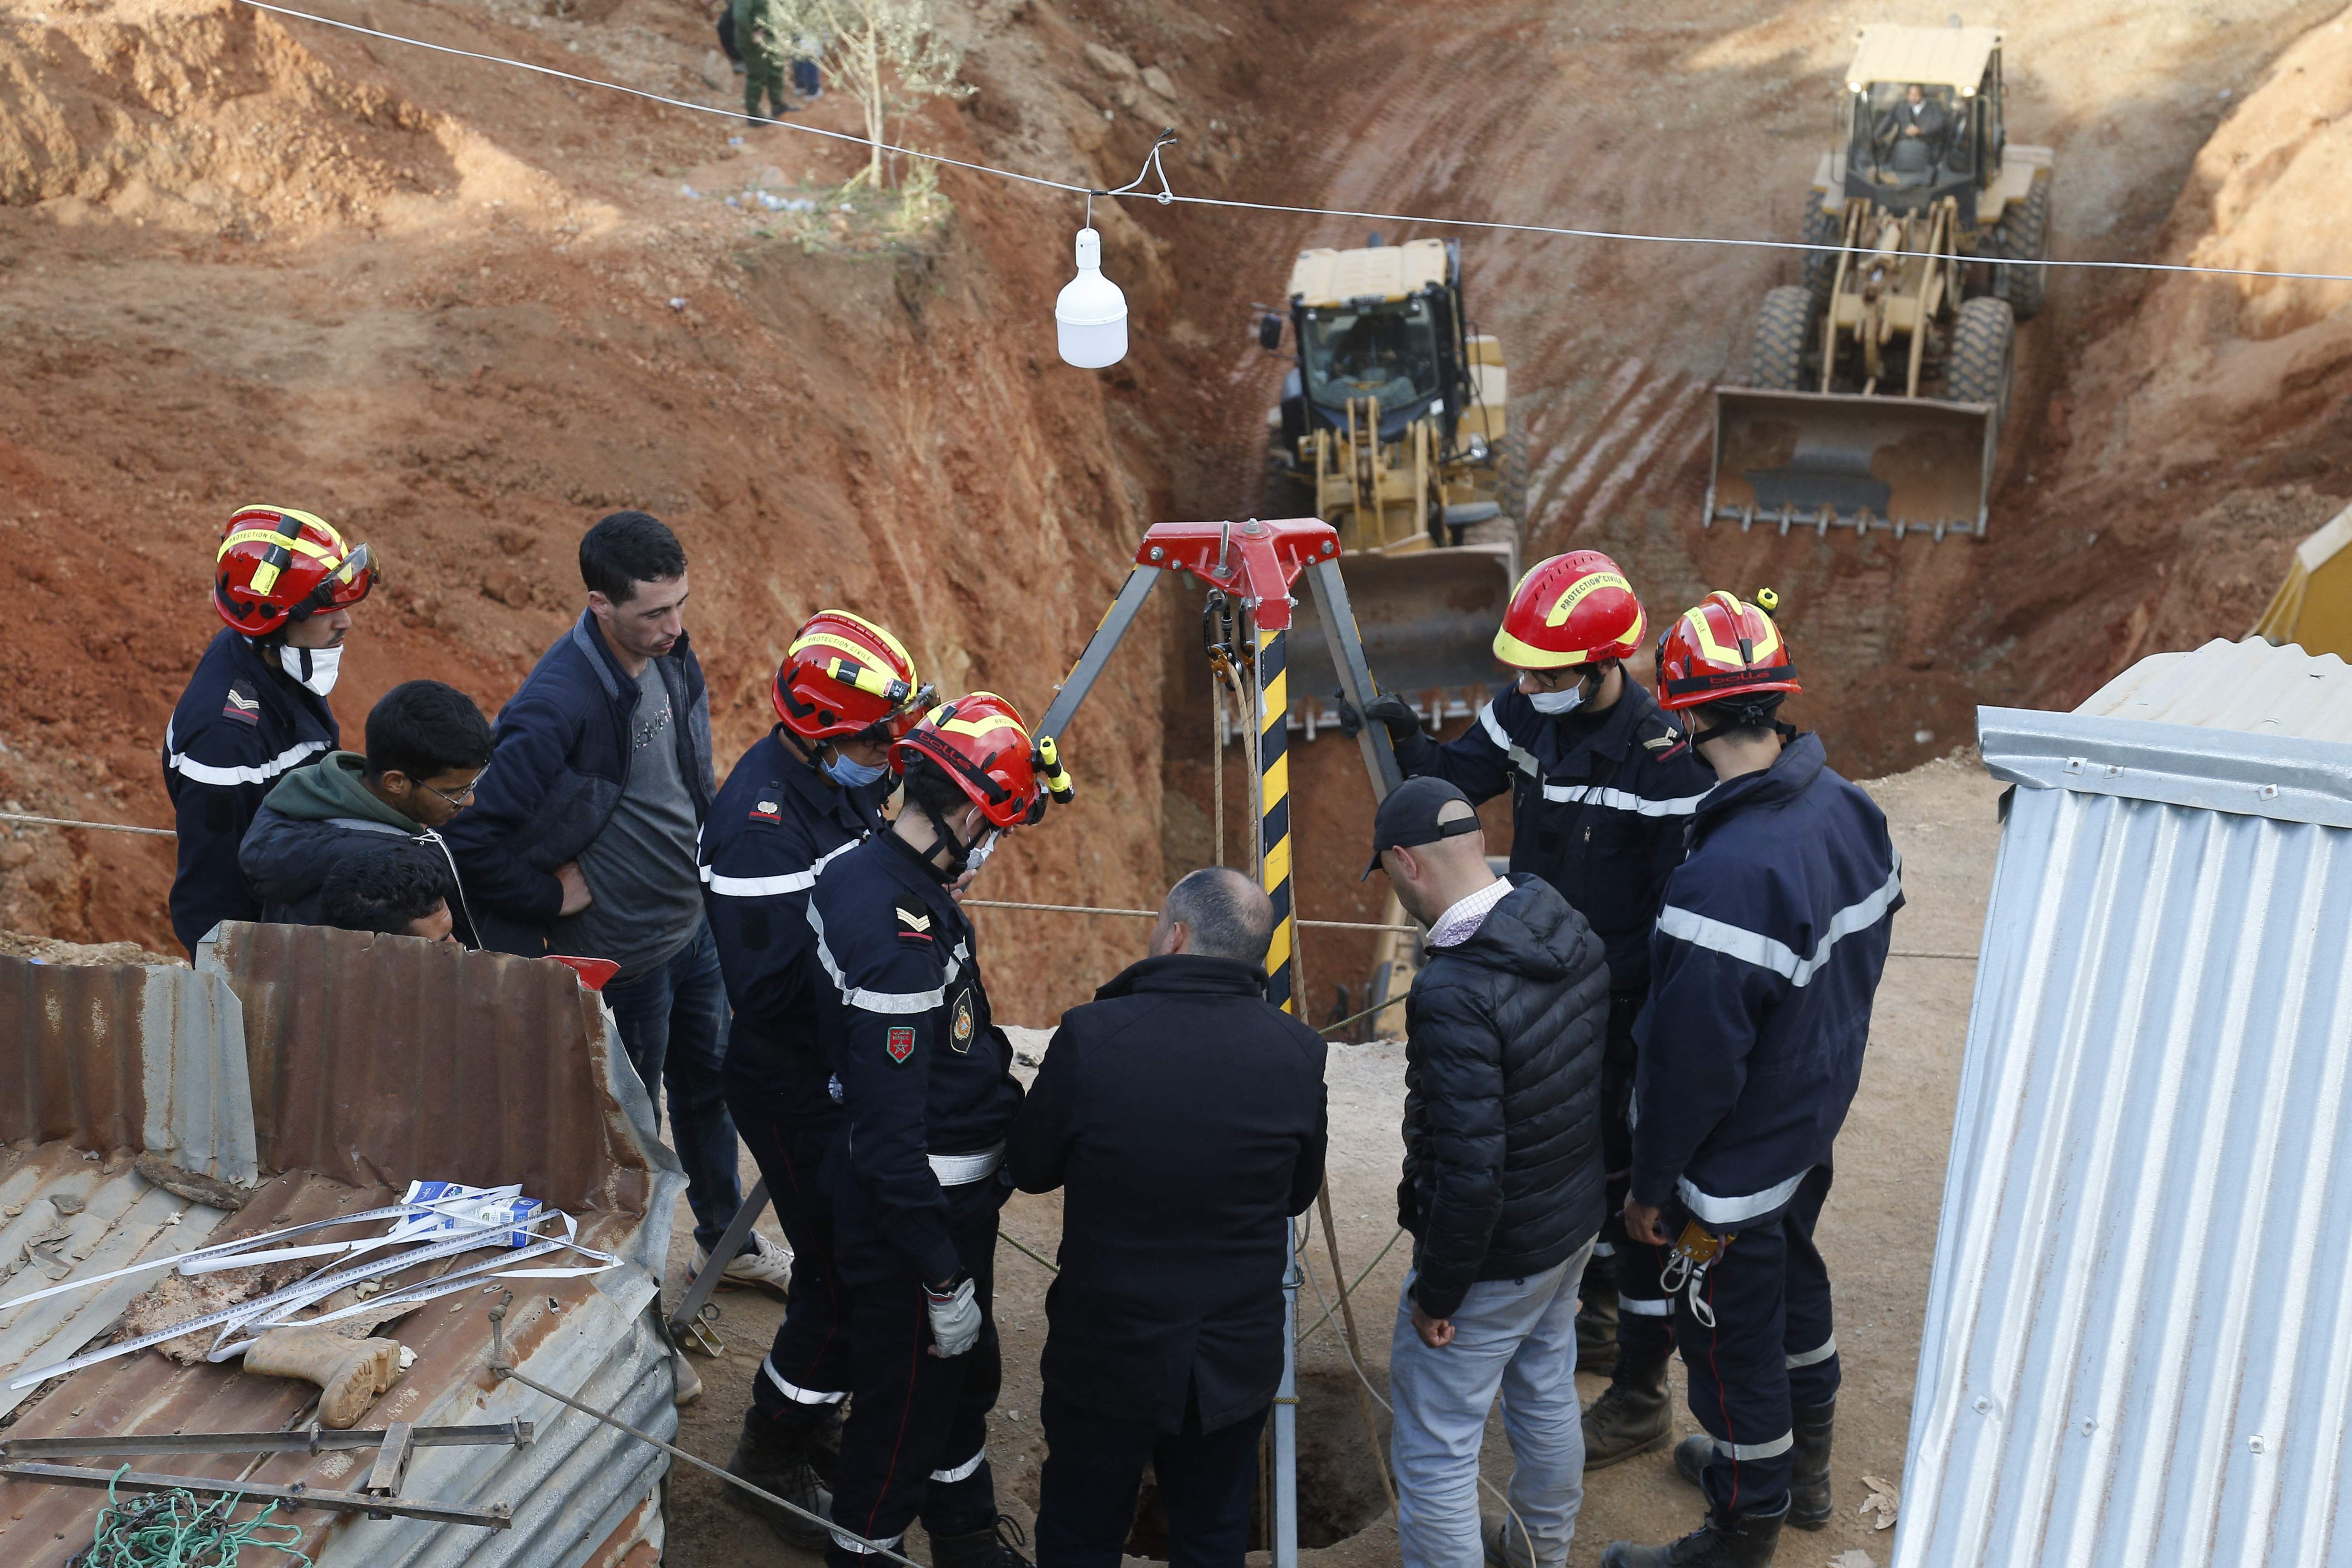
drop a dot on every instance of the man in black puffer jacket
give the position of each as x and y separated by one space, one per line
1502 1189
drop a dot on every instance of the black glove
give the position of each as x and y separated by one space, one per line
1387 709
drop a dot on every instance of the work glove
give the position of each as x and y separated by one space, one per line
955 1318
1387 709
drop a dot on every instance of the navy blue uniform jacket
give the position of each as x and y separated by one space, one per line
1598 813
922 1066
242 724
1765 959
558 768
777 824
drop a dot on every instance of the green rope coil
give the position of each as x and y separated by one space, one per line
179 1530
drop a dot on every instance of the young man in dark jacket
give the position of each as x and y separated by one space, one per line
581 841
1502 1189
1601 787
805 794
427 745
928 1096
285 582
1767 957
1183 1114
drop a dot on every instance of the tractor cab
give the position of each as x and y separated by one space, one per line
1384 322
1923 118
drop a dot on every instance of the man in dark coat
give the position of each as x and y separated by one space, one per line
1502 1189
1184 1116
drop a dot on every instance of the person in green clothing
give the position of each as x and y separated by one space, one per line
426 746
765 41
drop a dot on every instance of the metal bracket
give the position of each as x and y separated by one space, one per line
685 1323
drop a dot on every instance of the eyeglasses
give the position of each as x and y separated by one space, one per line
457 801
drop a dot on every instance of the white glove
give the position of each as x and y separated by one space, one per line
955 1318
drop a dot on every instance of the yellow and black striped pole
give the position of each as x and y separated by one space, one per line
1274 815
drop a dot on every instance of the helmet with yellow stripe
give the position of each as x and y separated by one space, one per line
980 741
276 564
844 677
1571 609
1723 650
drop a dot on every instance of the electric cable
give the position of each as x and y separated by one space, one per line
1166 197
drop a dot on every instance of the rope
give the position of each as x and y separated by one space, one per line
1165 196
1962 957
1358 1285
179 1530
68 822
1154 914
1025 1251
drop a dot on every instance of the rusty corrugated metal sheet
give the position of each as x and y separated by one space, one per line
385 1059
2139 1328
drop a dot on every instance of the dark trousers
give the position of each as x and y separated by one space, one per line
915 1440
805 81
1094 1468
1645 1317
673 1023
1769 1351
806 1374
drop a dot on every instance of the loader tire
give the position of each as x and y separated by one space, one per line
1775 360
1984 354
1818 267
2023 234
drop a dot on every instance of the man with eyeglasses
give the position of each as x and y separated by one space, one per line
427 747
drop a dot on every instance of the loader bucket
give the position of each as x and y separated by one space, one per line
1820 460
1427 618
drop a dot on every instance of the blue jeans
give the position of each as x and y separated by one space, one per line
673 1023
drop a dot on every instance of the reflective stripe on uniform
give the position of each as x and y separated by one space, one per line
1765 953
1521 757
1603 1249
962 1170
851 1543
1815 1356
793 1391
1619 800
891 1003
1646 1306
1773 1449
963 1471
205 774
769 887
1720 1212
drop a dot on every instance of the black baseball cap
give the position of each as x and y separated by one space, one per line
1409 816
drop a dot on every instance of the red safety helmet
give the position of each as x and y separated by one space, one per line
844 676
1571 609
1723 650
980 741
276 564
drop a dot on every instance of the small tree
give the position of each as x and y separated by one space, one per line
887 54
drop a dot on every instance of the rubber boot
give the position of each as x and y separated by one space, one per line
1746 1542
1808 1482
1631 1416
1596 1319
775 1456
982 1548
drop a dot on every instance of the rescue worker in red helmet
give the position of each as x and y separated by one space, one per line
928 1096
1763 967
1602 785
800 799
285 582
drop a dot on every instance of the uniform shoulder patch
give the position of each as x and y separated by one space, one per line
914 924
242 704
769 805
901 1043
1668 741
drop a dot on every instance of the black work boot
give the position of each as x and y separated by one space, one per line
1691 1456
1746 1541
1596 1321
986 1548
775 1456
1631 1416
1808 1482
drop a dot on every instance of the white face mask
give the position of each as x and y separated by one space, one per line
315 668
1554 703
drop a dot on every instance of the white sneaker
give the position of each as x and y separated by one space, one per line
763 1266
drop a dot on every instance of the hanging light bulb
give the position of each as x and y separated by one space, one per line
1090 315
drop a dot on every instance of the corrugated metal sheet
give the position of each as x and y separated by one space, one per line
373 1061
2138 1341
